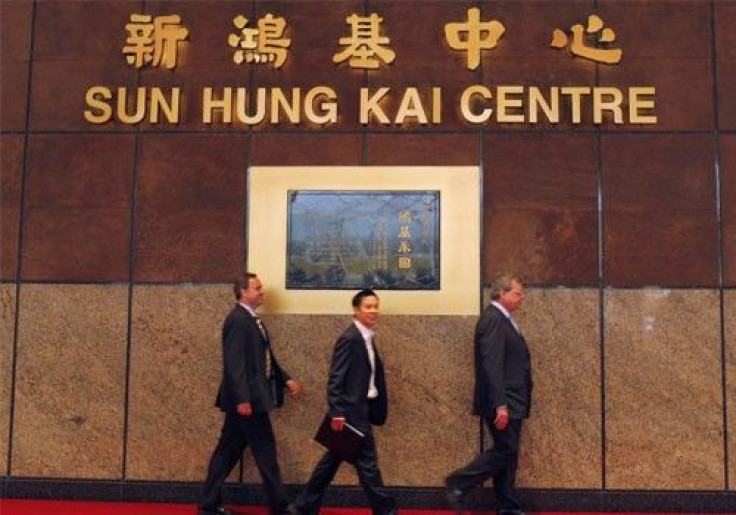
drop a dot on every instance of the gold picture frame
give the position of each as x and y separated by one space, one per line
459 187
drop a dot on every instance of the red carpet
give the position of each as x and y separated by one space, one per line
22 507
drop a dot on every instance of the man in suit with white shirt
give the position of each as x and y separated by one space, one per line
503 393
356 394
252 384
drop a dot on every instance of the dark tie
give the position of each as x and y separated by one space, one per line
267 358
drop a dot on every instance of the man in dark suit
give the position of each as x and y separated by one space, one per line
356 394
252 384
503 392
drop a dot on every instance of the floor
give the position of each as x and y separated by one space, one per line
26 507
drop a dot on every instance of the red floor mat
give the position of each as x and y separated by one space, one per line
24 507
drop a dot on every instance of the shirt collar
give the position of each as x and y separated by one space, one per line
502 309
249 309
364 331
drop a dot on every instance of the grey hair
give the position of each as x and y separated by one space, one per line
503 281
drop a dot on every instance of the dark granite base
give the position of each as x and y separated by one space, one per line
417 498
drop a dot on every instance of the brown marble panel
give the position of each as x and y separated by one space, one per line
728 206
561 446
423 61
77 216
524 57
663 42
13 95
11 161
15 20
726 101
671 28
664 405
175 367
677 107
7 330
310 58
725 19
15 32
204 60
410 347
190 211
306 150
660 211
422 150
78 45
729 311
70 385
540 208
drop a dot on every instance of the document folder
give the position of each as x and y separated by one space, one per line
345 444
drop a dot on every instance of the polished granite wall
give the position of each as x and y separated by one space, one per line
7 329
118 244
657 364
664 389
729 309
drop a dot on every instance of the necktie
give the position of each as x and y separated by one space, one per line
267 357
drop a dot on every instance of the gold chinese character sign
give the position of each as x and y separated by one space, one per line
473 36
265 44
366 47
598 33
154 40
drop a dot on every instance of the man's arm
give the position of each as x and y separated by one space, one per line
283 379
492 350
234 361
336 382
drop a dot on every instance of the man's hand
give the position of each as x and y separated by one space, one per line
245 409
292 387
502 418
337 424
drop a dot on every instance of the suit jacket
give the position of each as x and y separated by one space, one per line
244 366
503 372
350 375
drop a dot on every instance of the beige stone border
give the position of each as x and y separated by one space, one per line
459 188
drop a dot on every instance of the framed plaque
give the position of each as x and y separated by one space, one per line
316 234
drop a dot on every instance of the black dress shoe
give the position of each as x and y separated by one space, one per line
455 499
508 511
220 510
291 509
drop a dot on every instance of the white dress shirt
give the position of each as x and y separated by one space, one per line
368 337
507 315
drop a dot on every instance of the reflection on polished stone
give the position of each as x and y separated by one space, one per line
428 364
70 384
175 370
664 408
7 328
729 310
561 445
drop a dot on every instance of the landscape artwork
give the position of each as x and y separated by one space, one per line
387 240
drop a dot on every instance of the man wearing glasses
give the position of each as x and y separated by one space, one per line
503 392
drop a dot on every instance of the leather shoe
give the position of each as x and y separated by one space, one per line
220 510
508 511
455 499
291 509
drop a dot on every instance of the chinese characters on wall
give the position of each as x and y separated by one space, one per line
154 41
160 41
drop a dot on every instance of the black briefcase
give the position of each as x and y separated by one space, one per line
345 444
